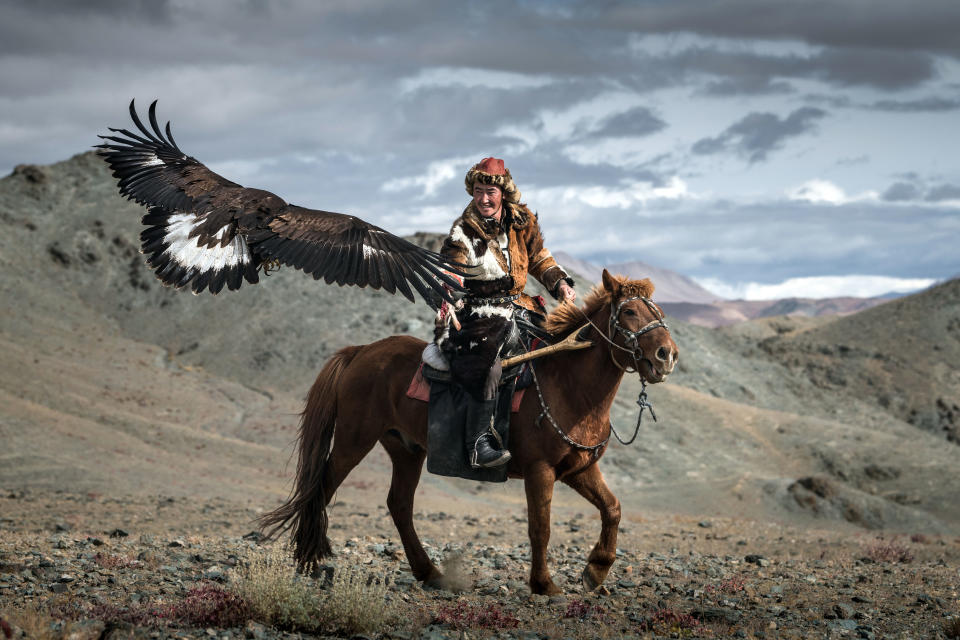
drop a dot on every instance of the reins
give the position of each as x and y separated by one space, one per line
630 337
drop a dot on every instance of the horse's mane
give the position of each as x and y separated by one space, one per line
568 317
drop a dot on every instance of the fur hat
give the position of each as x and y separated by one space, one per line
492 171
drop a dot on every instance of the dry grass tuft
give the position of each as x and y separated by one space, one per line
273 591
888 551
358 602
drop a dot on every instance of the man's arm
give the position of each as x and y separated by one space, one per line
544 267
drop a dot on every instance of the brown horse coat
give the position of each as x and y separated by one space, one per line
578 386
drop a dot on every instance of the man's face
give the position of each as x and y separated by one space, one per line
487 198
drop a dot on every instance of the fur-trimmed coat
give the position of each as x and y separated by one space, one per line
501 255
477 241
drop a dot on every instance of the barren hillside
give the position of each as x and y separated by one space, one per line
134 408
147 388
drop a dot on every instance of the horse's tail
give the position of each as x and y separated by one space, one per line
305 511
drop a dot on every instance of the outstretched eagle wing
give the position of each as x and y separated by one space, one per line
204 231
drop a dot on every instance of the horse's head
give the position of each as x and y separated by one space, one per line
637 327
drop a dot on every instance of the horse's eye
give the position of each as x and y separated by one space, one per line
629 312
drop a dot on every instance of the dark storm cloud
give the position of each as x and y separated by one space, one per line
639 121
870 24
751 71
380 39
943 192
912 190
757 134
934 103
901 192
747 85
547 166
147 10
327 102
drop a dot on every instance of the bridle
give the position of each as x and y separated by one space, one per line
631 340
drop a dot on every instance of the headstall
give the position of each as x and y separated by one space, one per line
631 340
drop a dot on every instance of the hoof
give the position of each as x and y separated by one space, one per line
589 583
434 583
434 580
547 589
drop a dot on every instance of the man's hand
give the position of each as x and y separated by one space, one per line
446 313
567 294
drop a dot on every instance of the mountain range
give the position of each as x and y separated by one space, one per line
683 298
112 383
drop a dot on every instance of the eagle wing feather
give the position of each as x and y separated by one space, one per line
208 232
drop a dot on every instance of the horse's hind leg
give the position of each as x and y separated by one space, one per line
590 484
407 467
350 447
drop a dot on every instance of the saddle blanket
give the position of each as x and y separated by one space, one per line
419 389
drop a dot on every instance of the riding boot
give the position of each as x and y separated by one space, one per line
484 445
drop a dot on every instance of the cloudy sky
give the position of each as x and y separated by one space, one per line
763 148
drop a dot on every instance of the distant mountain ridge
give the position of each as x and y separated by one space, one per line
681 297
671 286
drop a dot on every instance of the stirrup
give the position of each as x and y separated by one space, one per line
502 459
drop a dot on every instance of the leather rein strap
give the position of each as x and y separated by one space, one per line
630 338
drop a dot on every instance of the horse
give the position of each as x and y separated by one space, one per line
578 387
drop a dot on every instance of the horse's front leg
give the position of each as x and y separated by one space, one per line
538 483
590 484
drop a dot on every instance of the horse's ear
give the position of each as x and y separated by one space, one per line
610 283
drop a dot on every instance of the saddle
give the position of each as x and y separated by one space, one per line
419 388
446 414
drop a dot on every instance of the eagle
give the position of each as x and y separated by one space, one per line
206 232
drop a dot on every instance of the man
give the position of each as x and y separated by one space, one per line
500 239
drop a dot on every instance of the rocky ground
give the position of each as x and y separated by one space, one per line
95 566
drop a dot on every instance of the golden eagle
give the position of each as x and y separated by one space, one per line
206 231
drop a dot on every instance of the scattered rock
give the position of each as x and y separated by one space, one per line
717 614
757 559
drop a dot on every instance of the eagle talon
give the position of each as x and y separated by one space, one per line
270 266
